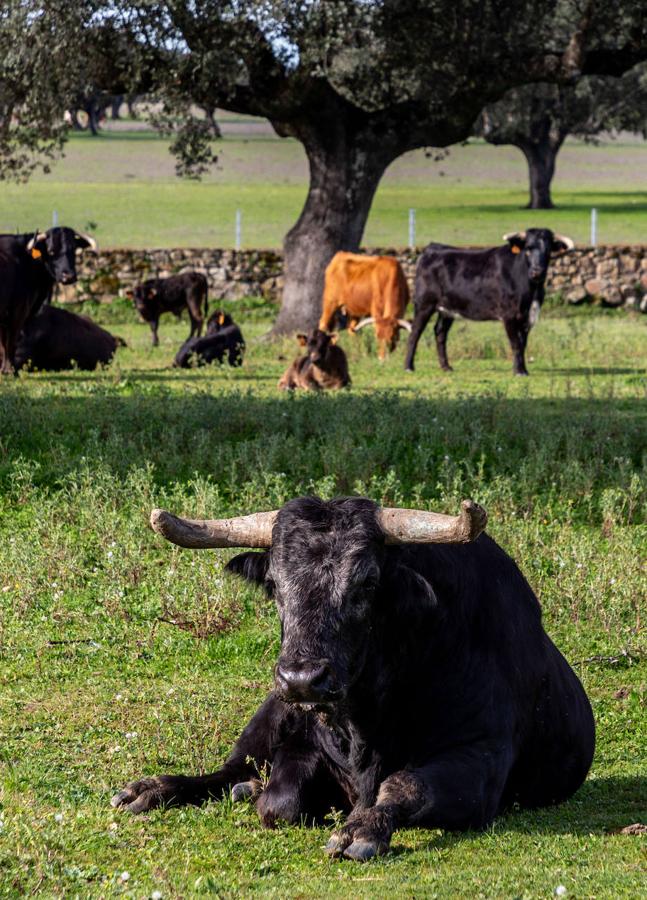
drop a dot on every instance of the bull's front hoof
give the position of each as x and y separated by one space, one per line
523 373
151 793
246 790
362 851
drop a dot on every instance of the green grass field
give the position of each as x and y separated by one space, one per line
123 183
97 685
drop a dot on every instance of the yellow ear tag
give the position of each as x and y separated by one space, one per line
221 319
36 254
515 249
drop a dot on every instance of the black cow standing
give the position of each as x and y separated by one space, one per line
504 283
415 685
30 265
175 294
223 338
55 340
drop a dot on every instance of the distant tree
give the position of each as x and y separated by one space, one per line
537 118
359 83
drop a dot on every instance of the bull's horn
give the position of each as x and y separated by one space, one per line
404 324
362 322
568 243
39 236
414 526
514 234
92 244
202 534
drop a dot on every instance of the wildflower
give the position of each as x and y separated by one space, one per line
130 735
560 891
58 817
125 876
156 895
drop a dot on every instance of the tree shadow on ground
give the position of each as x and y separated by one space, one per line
237 435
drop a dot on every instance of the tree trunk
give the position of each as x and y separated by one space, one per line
343 180
541 168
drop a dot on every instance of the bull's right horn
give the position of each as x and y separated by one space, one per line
416 526
514 234
362 322
202 534
402 323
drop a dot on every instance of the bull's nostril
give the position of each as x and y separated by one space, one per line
304 680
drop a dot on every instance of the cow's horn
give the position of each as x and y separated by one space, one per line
414 526
201 534
39 236
514 234
568 243
404 324
362 322
92 244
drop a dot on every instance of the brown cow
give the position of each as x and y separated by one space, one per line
324 367
371 289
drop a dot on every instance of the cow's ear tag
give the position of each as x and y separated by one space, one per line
515 249
36 254
221 319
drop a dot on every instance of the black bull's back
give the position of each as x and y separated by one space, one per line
56 340
450 700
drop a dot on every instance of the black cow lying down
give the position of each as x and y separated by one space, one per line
55 340
415 685
223 338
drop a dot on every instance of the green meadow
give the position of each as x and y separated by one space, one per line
121 655
122 186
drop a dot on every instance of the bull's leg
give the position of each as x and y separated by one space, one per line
441 330
301 785
517 335
195 315
422 316
252 753
5 359
154 326
454 791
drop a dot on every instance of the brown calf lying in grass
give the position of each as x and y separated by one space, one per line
324 367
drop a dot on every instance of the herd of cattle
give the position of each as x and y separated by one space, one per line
504 283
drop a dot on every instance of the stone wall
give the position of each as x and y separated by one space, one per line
613 275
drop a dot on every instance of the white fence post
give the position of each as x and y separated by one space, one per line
239 228
594 227
412 228
54 218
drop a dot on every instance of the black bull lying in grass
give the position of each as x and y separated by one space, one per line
415 686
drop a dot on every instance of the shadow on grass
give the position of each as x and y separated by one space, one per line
601 806
589 370
570 445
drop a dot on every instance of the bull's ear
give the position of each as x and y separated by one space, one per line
251 566
408 583
516 243
302 339
129 292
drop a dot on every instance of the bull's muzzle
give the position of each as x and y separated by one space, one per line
306 681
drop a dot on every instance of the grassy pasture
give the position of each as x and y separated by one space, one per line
120 655
123 181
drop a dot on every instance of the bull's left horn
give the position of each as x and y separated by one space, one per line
404 324
514 234
362 322
415 526
92 244
566 241
202 534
